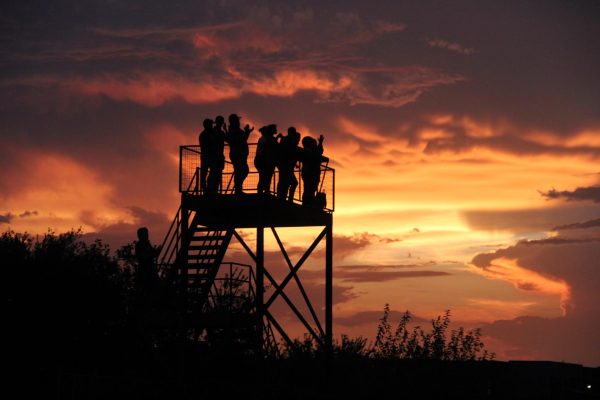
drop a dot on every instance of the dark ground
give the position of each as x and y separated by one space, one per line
353 378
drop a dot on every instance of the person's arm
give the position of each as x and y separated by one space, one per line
247 131
320 146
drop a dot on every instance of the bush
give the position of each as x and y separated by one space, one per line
405 343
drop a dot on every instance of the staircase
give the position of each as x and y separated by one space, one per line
190 259
199 267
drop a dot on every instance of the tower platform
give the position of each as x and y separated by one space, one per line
251 210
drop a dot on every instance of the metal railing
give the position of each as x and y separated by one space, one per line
170 246
233 289
189 176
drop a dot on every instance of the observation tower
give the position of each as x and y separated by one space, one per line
217 292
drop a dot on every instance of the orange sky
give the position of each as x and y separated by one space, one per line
448 126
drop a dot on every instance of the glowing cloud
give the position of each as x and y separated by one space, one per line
525 279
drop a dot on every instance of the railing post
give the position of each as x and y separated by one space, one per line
180 167
260 243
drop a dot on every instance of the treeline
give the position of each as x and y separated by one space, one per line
67 301
72 304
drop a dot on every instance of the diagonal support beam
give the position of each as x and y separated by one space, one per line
244 245
294 309
279 328
299 283
295 269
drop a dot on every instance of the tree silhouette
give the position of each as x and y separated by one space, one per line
66 299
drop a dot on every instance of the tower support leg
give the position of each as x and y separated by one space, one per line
260 289
329 288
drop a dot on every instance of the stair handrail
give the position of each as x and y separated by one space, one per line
170 245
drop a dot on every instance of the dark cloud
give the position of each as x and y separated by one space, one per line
526 220
378 273
580 225
28 213
8 217
346 245
530 249
580 194
384 267
386 276
506 142
385 273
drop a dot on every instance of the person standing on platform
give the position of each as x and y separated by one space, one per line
266 153
288 157
206 139
238 151
217 160
312 155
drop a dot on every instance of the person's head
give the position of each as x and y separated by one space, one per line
264 130
219 121
268 130
309 142
291 131
234 120
142 233
208 123
295 137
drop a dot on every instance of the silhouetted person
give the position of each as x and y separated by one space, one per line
311 155
264 161
207 152
217 158
147 288
146 276
288 157
238 151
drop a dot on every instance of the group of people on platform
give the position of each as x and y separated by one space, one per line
274 150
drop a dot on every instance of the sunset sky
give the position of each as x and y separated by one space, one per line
465 137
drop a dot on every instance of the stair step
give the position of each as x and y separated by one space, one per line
204 247
193 282
202 256
200 264
208 238
202 273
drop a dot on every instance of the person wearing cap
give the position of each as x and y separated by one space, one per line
238 151
264 161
